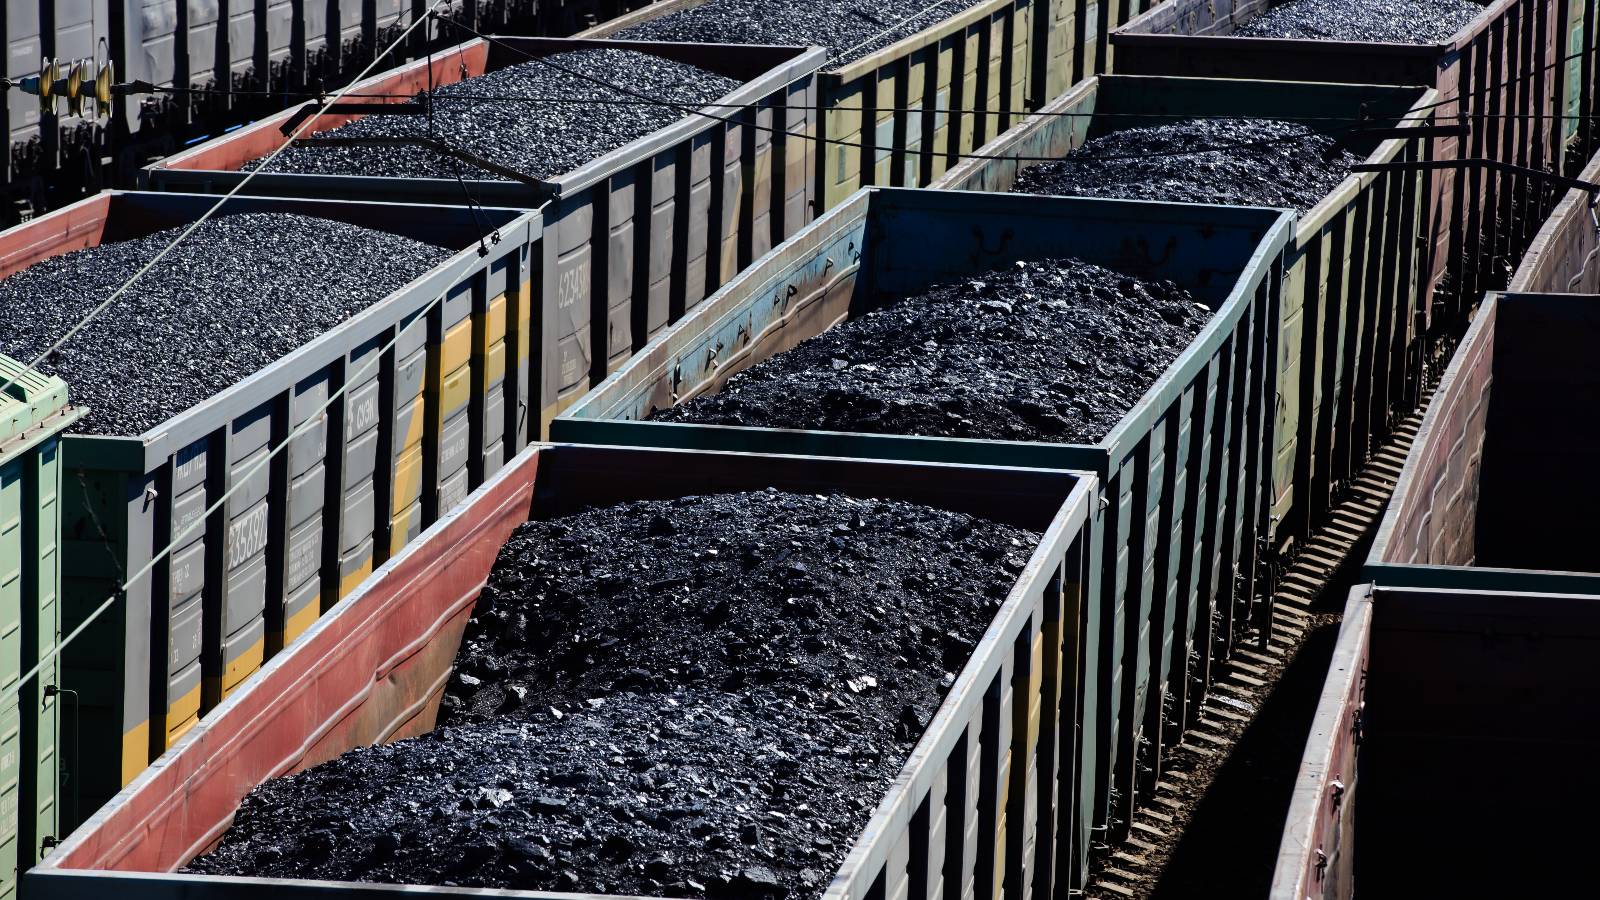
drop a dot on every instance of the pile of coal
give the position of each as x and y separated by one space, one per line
848 29
239 293
1052 350
701 697
1260 162
540 118
1382 21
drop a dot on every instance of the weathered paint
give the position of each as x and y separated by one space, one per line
295 531
1501 410
373 671
33 413
1331 290
885 242
1501 61
632 239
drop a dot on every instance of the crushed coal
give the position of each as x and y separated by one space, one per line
1381 21
236 295
848 29
1263 162
1049 350
701 697
541 140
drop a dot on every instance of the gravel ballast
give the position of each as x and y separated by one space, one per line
541 140
1050 350
1381 21
848 29
238 294
1266 163
703 697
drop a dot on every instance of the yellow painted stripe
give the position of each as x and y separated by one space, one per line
135 751
495 320
182 713
456 350
455 392
182 728
300 621
243 666
353 580
494 367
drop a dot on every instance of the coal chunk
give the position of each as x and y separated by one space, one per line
1382 21
1260 162
236 295
534 138
686 788
1047 350
848 29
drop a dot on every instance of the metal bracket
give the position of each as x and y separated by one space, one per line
1415 133
1497 165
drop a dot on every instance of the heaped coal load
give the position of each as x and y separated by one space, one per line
1380 21
1050 350
1257 162
699 697
848 29
236 295
540 118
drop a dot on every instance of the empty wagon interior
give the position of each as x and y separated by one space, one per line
1478 709
1507 456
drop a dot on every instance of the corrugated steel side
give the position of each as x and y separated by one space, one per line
633 239
1503 64
33 413
1316 859
903 115
1428 690
1465 513
296 533
1564 257
1183 491
1354 286
374 672
1433 514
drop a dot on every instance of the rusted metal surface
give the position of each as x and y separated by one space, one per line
1316 858
1565 255
1486 496
634 238
1502 69
1433 515
371 469
1470 701
373 670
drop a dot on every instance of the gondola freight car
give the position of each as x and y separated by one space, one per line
973 809
1183 485
33 413
634 237
436 397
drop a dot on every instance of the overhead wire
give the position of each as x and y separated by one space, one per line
244 479
312 422
204 217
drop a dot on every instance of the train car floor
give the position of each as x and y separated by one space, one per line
1214 821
